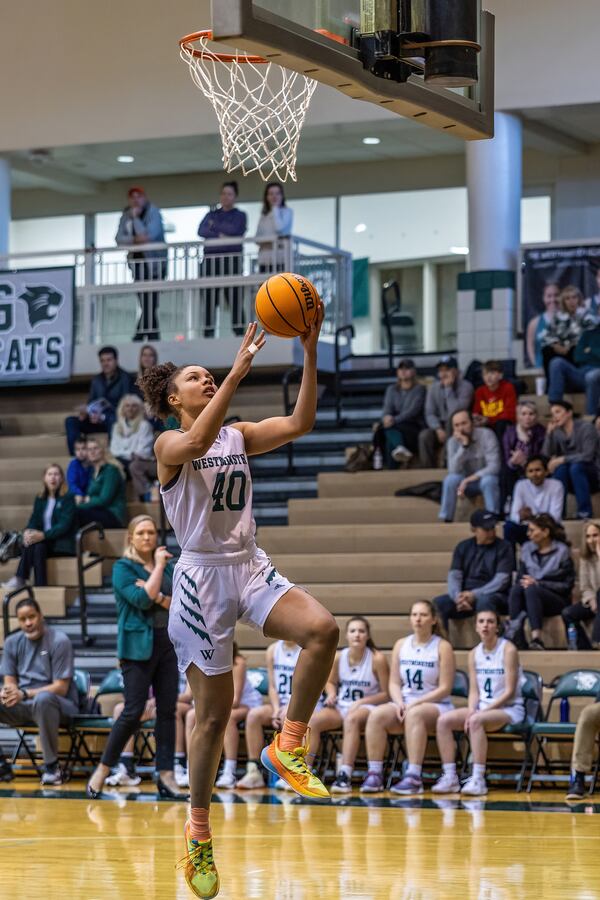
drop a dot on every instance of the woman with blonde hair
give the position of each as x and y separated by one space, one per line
143 583
132 435
50 530
586 608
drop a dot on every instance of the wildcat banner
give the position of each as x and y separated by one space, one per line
36 325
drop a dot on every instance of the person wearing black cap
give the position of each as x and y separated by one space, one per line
141 223
480 573
396 435
447 394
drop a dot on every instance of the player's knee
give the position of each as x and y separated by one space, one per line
214 722
476 722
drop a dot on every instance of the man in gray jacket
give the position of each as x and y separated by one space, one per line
473 466
573 451
447 394
396 436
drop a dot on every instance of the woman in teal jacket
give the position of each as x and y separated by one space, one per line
50 530
105 501
143 582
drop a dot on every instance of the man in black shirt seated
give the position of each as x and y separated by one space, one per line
480 573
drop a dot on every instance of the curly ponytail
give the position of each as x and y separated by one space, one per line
156 384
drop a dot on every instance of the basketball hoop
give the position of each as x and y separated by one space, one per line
260 106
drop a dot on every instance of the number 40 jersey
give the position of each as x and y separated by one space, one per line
209 503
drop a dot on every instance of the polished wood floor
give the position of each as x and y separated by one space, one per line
508 848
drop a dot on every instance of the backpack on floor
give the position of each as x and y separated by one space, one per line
11 545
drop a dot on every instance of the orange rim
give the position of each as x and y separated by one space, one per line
187 43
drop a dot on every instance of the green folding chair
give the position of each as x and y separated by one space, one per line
88 725
574 684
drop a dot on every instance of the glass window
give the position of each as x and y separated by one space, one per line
54 233
405 313
447 277
536 220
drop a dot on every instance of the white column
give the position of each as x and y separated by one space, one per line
494 185
429 307
4 205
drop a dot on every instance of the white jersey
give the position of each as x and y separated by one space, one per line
209 503
420 668
356 682
491 675
284 663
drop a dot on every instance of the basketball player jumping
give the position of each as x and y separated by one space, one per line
223 577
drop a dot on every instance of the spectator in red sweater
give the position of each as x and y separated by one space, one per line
495 403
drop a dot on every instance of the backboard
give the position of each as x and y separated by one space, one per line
332 41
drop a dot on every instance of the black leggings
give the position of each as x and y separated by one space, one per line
161 674
34 557
98 514
538 601
578 613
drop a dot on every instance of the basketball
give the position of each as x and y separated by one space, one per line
287 305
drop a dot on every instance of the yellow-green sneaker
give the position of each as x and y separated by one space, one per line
290 765
199 866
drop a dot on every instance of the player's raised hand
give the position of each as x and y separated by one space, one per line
310 338
251 345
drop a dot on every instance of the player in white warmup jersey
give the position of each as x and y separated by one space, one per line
282 657
222 577
421 680
495 700
356 685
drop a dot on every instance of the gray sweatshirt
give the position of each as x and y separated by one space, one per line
481 457
442 402
405 406
581 445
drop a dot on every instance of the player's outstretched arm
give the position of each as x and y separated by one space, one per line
261 437
173 448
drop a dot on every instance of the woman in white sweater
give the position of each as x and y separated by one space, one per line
274 229
589 587
132 440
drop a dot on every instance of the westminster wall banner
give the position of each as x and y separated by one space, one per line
36 325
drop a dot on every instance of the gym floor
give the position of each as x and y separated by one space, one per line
58 845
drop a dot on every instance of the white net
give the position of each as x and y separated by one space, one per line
261 108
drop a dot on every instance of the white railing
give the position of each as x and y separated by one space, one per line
193 275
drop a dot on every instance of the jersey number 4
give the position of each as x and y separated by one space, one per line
235 493
487 686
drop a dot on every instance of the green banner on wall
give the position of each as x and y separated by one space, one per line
360 287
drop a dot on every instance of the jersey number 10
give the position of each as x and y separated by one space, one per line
236 486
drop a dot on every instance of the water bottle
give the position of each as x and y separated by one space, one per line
564 710
572 637
378 460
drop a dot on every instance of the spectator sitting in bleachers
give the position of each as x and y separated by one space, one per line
520 442
480 572
534 494
589 586
584 749
544 584
132 437
473 466
37 665
573 450
495 402
107 388
559 342
448 393
357 684
50 530
105 500
396 435
79 471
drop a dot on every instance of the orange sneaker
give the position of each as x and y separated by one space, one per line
199 866
290 765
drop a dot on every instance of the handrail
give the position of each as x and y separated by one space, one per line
288 407
81 570
339 359
386 317
26 589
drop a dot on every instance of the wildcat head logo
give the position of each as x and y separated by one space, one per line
43 304
586 681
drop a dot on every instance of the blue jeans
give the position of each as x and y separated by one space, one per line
489 486
564 376
580 479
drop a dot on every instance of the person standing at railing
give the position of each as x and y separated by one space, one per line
223 260
141 223
275 224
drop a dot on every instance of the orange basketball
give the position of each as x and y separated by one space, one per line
287 305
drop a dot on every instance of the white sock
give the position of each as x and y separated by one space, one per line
478 770
230 767
449 769
376 767
251 768
346 770
414 769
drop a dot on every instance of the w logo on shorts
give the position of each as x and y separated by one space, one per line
195 613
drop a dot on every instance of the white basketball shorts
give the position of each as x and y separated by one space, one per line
208 600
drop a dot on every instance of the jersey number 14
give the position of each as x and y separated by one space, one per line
234 494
